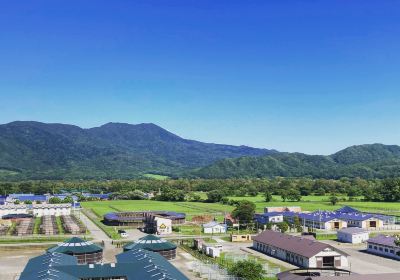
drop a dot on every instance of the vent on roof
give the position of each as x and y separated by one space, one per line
91 265
112 264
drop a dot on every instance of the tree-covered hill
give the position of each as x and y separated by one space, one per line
34 150
365 161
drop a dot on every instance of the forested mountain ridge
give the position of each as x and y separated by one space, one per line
34 150
365 161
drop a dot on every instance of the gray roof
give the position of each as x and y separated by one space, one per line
76 245
353 230
295 244
152 243
383 240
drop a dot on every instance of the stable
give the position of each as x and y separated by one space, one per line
269 217
62 209
352 235
299 251
214 227
384 245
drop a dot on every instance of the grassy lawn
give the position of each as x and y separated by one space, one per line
155 176
313 203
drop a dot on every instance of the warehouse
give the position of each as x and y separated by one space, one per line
84 251
155 244
352 235
11 209
299 251
132 265
384 245
62 209
139 219
337 274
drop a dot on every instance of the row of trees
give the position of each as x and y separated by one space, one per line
288 188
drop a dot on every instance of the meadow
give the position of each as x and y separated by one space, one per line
218 210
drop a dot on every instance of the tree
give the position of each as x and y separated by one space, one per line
214 196
294 195
252 191
334 199
17 202
247 269
55 200
244 211
267 196
283 227
68 199
297 224
28 202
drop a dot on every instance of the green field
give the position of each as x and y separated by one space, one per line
155 176
218 210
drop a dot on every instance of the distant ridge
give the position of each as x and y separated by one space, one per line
364 161
34 150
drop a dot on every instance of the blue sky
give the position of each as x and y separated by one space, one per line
307 76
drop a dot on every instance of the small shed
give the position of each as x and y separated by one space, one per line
214 227
353 235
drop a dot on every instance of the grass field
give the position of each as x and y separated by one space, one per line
155 176
308 203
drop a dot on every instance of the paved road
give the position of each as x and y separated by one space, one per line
364 263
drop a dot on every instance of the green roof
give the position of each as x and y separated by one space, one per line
74 246
134 265
152 243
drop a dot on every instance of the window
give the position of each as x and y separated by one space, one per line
370 246
392 251
380 249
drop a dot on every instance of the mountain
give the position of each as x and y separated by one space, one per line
34 150
365 161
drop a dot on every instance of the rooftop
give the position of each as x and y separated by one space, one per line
75 245
353 230
150 242
298 245
383 240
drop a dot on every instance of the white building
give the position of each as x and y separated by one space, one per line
163 225
353 235
13 209
214 227
40 210
269 217
213 251
299 251
384 245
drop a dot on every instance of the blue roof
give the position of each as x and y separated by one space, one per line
347 209
263 218
32 197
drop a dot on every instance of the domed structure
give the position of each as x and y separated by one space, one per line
155 244
85 251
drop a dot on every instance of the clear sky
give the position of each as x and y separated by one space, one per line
308 76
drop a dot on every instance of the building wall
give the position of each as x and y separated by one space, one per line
51 211
215 229
6 210
164 226
275 219
382 250
353 238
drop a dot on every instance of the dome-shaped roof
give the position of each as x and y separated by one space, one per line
150 242
76 245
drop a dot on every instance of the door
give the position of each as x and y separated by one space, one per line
336 225
372 224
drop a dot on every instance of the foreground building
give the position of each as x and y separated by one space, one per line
299 251
332 274
154 244
132 265
353 235
62 209
384 245
85 252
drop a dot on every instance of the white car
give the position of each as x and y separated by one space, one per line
123 233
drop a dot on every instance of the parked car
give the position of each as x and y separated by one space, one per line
123 233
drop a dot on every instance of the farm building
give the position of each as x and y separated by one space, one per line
269 217
319 220
384 245
295 209
299 251
132 265
352 235
157 225
332 274
155 244
27 197
138 219
84 251
40 210
214 227
13 209
361 220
